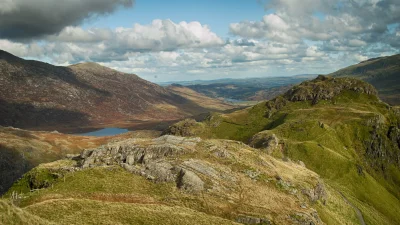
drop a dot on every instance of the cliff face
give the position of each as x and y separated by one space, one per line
40 95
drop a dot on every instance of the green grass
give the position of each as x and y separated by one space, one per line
74 211
331 138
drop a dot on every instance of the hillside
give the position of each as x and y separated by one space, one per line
383 73
37 95
201 99
174 180
22 150
337 126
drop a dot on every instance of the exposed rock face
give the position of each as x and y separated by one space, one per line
151 160
183 128
208 175
253 220
264 140
325 88
317 193
189 181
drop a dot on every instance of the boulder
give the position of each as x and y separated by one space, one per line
189 181
265 140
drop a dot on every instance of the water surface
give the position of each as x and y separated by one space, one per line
105 132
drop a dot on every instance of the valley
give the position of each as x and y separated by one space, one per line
325 151
202 112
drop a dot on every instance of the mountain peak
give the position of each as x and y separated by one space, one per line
325 88
8 56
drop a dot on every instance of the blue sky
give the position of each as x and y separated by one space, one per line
218 14
188 40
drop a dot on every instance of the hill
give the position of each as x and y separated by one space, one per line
337 126
174 180
37 95
383 73
22 150
201 99
325 152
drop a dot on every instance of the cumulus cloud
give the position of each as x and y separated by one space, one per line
356 22
25 19
294 37
160 35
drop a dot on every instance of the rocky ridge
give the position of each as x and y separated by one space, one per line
226 172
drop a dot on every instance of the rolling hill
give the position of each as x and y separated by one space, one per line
383 73
337 126
174 180
37 95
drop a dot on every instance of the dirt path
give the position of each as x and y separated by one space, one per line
358 212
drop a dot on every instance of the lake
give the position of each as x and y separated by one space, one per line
105 132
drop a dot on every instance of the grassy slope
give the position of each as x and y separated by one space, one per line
383 73
21 150
118 196
335 150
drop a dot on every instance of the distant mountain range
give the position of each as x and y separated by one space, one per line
246 89
38 95
383 73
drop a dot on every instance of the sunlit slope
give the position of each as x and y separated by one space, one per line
337 126
173 180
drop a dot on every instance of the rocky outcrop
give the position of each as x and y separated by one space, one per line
316 193
326 88
264 140
153 160
214 176
185 128
189 181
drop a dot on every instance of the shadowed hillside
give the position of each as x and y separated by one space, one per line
42 96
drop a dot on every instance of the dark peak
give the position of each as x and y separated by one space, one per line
8 56
325 88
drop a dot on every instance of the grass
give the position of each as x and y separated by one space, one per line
121 197
331 138
12 215
22 150
74 211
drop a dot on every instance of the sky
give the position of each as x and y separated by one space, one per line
171 40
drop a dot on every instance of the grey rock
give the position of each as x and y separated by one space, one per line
202 168
130 159
318 193
265 140
252 220
161 171
189 181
